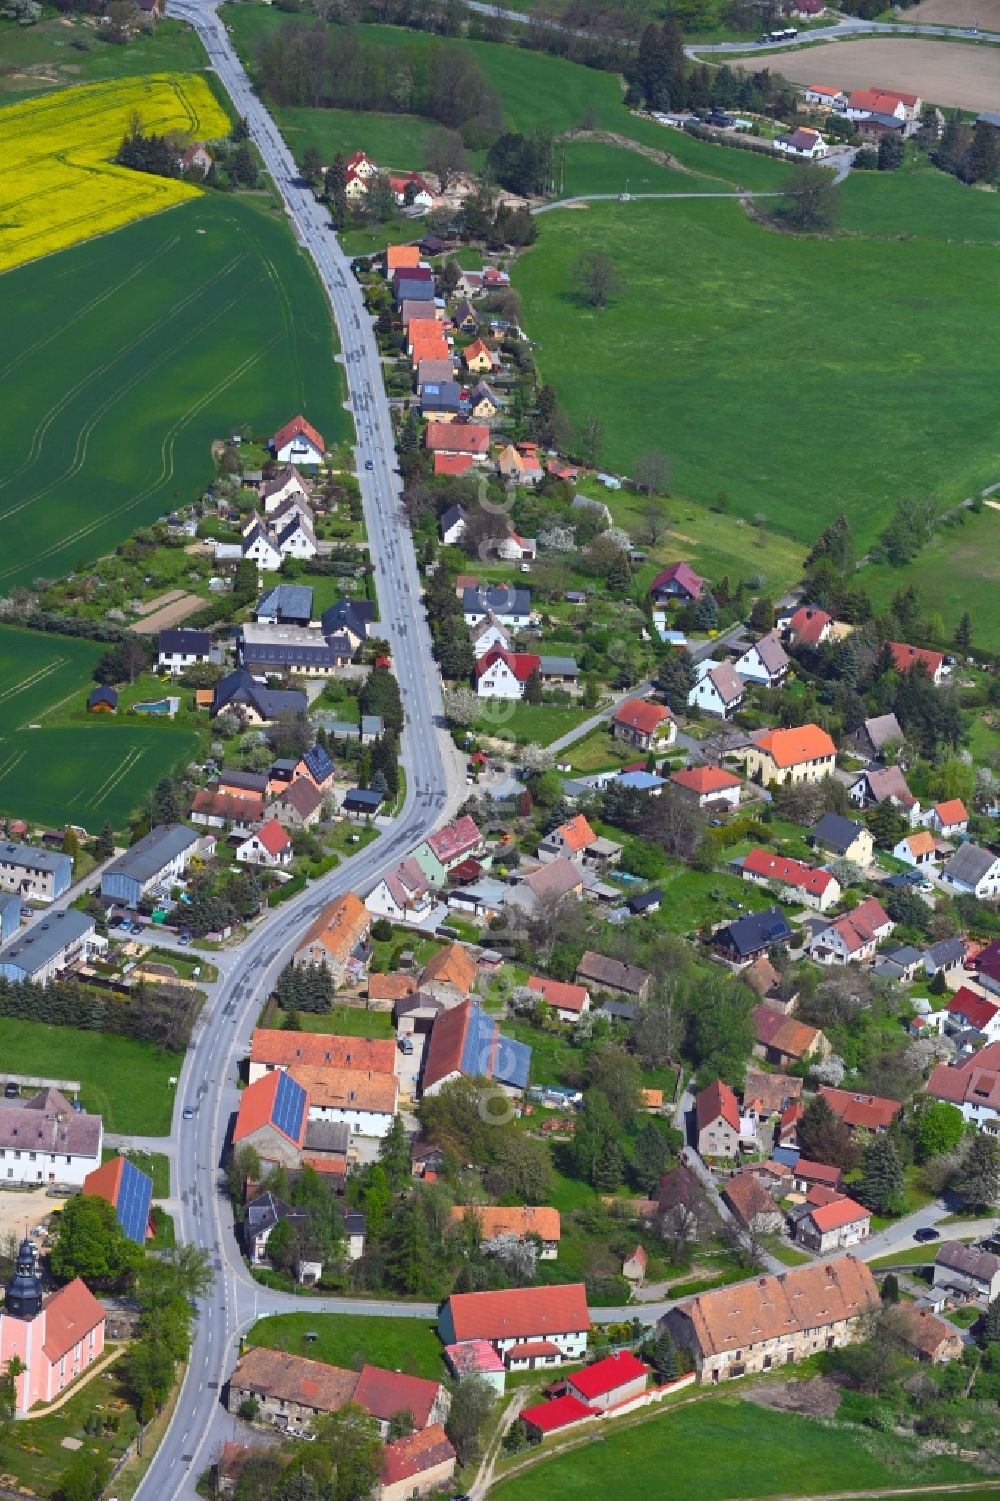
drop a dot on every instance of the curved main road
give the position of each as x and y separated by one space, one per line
434 784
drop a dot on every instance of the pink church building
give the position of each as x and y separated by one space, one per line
54 1337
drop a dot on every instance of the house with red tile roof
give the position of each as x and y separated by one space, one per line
967 1011
401 258
556 1315
272 1118
635 1263
853 938
772 1321
647 726
217 809
973 1084
450 974
752 1204
568 1001
298 442
470 438
443 850
416 1465
782 1040
869 1112
269 845
717 1121
272 1048
905 658
835 1225
678 581
809 1175
290 1390
918 850
518 1221
708 784
804 753
466 1042
808 884
505 674
605 1383
948 819
453 463
479 358
808 626
570 839
128 1190
928 1337
338 939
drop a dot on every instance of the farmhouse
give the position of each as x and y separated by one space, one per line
466 1042
362 1099
719 689
556 1316
338 939
647 726
44 1140
825 96
803 754
774 1321
753 1205
291 1390
158 857
606 1383
298 442
272 1119
37 874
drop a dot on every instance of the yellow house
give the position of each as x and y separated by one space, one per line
803 754
483 404
478 358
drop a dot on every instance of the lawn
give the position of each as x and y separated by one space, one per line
694 898
342 1021
967 549
721 1447
749 357
598 751
68 49
173 331
125 1081
537 724
33 1450
595 167
352 1340
155 1164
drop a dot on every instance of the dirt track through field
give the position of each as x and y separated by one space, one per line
946 73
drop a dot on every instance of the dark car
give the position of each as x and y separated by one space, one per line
188 1112
925 1234
369 463
10 1090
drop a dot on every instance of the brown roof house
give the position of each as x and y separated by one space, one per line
752 1205
929 1338
416 1465
516 1222
783 1040
601 973
769 1094
338 939
770 1321
449 975
717 1121
291 1390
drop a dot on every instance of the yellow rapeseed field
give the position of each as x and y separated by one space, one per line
58 184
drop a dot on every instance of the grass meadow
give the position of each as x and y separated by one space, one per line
65 50
124 1081
800 376
351 1340
719 1447
967 549
71 767
125 357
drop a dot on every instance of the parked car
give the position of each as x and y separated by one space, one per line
926 1233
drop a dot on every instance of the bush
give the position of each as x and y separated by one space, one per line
382 930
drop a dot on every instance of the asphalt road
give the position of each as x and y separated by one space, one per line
435 782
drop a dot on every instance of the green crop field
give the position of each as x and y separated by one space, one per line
721 1448
58 765
967 549
801 376
127 1082
126 356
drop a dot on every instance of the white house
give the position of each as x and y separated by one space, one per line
825 97
708 784
850 939
269 845
917 850
259 546
765 662
505 674
286 485
972 871
404 895
805 143
517 549
179 650
488 634
451 525
949 819
718 690
298 442
511 607
296 538
554 1316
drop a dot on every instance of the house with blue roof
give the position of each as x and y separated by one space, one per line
285 604
128 1190
466 1043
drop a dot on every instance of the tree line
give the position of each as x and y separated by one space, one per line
161 1015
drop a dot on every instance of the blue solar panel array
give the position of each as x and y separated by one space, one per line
319 763
135 1194
513 1062
477 1048
289 1107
